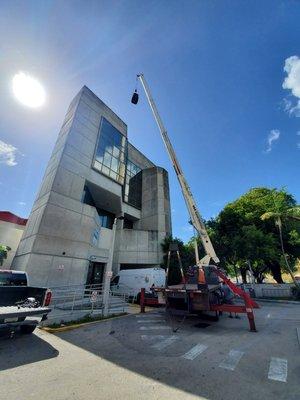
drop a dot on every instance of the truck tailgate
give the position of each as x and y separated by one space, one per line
21 312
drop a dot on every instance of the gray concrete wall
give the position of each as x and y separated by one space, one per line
156 213
138 158
142 245
58 240
10 235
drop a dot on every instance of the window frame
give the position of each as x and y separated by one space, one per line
104 169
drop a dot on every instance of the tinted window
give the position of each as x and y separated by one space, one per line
106 218
128 224
133 185
12 279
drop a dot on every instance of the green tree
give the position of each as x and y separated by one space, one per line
3 253
187 256
240 235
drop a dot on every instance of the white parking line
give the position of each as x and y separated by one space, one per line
194 351
298 335
145 328
146 321
149 315
278 369
154 337
164 343
232 360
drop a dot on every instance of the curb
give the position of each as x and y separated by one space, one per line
75 326
278 301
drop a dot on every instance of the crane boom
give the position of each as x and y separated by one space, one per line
195 216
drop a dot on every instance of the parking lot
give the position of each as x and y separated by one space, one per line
139 356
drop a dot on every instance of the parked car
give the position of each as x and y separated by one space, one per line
131 281
21 306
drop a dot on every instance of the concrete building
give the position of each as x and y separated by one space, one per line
11 231
94 175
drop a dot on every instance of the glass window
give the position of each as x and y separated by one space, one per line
105 170
133 185
106 218
128 224
87 198
113 175
116 151
107 159
110 153
114 164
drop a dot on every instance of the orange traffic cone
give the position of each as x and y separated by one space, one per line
201 279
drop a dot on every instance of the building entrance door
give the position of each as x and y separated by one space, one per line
96 273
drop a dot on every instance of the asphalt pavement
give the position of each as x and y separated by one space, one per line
144 357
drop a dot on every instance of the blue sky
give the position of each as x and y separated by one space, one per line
216 70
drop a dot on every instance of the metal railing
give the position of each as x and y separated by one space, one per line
128 292
77 301
276 292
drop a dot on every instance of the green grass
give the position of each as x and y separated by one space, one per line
83 320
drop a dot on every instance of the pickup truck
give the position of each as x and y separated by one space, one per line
21 306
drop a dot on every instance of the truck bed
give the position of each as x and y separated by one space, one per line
21 312
189 287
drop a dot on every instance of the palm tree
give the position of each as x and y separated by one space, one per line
292 213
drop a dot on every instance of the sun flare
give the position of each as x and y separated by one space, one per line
28 90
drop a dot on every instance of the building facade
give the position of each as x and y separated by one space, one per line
11 231
94 175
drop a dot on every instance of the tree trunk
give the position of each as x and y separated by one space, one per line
258 276
284 255
276 271
260 279
243 274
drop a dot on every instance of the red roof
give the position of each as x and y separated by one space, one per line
10 217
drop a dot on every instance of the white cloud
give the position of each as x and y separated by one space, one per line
8 154
22 203
292 82
298 143
272 137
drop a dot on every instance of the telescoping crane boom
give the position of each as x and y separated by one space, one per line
203 296
194 213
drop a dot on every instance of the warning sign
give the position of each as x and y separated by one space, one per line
94 296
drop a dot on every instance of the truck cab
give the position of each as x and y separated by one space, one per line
13 278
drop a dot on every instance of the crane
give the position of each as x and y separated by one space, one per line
203 296
193 211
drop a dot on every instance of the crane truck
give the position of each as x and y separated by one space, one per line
200 289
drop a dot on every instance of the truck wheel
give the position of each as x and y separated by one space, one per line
27 329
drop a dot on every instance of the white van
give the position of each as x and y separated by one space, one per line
130 281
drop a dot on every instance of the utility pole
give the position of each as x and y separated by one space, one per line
108 268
